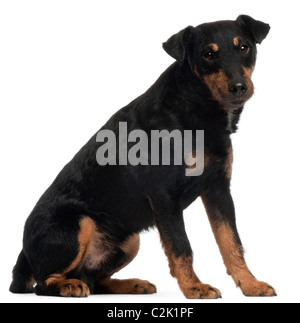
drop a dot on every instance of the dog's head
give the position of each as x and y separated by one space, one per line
221 54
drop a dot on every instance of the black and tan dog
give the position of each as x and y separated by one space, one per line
86 226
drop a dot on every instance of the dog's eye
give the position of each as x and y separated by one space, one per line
209 55
244 49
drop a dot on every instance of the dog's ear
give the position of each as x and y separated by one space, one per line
258 29
178 45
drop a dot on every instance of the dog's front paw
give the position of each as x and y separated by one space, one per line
201 291
257 288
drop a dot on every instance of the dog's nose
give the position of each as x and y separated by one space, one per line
238 88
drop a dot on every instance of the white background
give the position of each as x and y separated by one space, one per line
67 66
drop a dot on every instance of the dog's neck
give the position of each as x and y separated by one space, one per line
233 114
184 85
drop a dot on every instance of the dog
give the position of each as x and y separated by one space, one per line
86 225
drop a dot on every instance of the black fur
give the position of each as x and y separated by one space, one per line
124 200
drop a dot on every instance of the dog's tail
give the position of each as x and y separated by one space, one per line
22 276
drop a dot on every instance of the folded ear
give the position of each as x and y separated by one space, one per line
258 29
177 46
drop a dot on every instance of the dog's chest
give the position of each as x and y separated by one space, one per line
214 170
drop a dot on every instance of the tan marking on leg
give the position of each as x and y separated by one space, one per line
68 287
93 249
128 286
93 246
182 269
87 230
130 247
233 258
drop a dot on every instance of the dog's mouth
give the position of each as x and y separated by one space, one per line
231 94
235 103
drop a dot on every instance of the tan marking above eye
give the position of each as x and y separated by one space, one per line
236 41
214 47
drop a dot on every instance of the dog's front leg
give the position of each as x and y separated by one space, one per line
220 210
179 253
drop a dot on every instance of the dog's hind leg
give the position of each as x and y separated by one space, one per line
124 286
22 276
129 250
63 281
